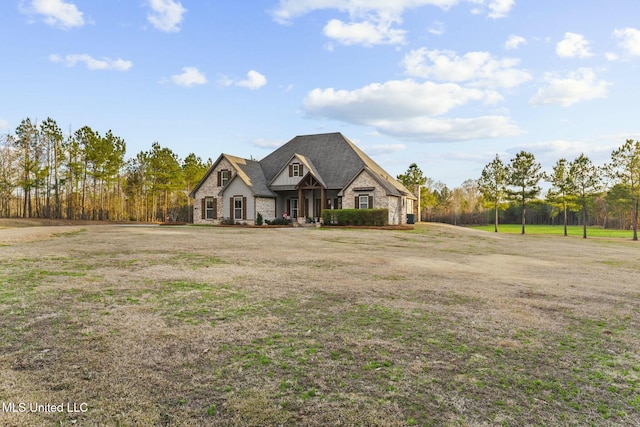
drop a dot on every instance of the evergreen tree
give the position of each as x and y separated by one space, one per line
586 180
625 169
493 185
524 175
562 189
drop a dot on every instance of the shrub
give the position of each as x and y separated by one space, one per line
259 219
374 217
278 221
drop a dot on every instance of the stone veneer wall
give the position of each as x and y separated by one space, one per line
380 198
266 207
210 188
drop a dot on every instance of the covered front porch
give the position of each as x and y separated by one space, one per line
306 201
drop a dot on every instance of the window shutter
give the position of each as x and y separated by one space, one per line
219 178
301 169
289 206
203 208
215 208
231 208
244 208
370 202
290 170
357 204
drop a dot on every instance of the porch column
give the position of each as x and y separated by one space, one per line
301 212
323 201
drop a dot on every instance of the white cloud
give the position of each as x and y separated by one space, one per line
598 148
92 63
4 124
392 99
166 15
514 42
267 143
367 33
58 13
477 68
381 149
629 40
500 8
436 28
577 86
573 46
371 21
287 10
407 108
428 129
190 76
225 81
254 80
611 56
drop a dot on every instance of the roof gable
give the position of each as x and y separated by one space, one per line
308 167
387 184
249 171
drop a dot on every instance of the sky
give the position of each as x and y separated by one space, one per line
445 84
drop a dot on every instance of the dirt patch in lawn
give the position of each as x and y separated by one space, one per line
436 325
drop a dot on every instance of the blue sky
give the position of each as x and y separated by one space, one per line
447 84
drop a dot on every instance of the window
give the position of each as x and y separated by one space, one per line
295 169
209 208
363 202
294 208
224 177
237 208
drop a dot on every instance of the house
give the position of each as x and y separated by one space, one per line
299 180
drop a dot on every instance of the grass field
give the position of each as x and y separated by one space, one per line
436 326
572 230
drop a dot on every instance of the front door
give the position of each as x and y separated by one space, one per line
293 208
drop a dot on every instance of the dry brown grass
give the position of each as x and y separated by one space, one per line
183 326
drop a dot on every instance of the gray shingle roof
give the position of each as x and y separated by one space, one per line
330 156
251 173
336 159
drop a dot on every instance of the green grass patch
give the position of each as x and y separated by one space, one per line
70 233
572 230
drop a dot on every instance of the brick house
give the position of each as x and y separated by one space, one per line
300 179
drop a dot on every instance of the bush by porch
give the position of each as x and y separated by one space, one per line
374 217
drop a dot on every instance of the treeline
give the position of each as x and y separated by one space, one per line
85 175
580 193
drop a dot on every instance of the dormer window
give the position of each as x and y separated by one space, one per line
295 169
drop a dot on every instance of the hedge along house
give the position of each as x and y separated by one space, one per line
299 180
